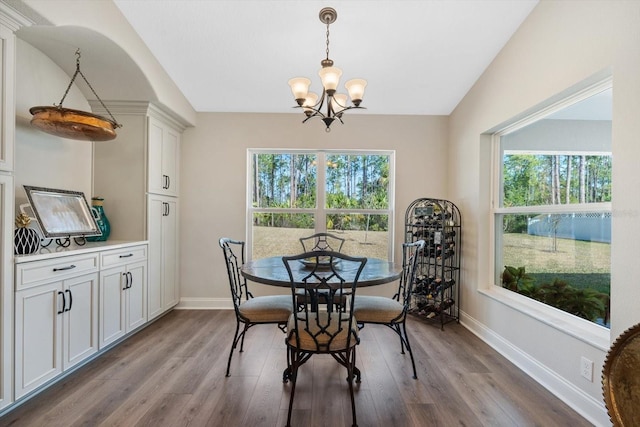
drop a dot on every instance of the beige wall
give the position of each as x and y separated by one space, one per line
559 45
213 176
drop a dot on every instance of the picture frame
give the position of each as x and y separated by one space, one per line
62 213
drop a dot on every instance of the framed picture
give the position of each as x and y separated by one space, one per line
62 213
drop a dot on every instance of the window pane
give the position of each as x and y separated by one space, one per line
284 180
551 179
365 234
560 259
357 182
279 233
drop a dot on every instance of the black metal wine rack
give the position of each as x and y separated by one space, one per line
436 291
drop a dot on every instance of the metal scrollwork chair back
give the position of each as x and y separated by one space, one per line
392 312
322 242
250 310
322 330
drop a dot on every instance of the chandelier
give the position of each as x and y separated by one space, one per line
335 103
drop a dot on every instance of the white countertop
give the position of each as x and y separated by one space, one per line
54 251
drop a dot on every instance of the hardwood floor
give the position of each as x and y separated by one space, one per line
172 374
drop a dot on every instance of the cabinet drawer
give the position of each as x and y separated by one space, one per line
123 256
30 274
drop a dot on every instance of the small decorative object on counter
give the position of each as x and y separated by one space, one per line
25 240
97 209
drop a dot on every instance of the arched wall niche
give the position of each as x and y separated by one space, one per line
112 73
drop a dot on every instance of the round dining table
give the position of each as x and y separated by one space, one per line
271 271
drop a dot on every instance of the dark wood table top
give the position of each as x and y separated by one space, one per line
271 271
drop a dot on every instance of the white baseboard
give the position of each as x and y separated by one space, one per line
591 409
205 304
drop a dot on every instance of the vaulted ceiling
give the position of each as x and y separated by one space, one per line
419 57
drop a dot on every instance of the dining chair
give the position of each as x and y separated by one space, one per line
250 310
323 331
392 312
322 242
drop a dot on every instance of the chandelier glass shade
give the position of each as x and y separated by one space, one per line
330 105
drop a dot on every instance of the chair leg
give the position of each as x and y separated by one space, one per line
406 340
351 358
295 360
396 327
244 332
233 346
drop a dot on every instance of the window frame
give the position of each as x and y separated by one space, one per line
579 328
320 212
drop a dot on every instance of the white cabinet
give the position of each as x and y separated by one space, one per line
146 196
164 157
56 318
123 292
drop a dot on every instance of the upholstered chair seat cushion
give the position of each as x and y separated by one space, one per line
373 309
272 308
321 341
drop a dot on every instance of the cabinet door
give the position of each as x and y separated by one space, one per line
38 336
136 295
156 210
7 97
163 143
170 254
163 254
80 320
6 289
170 160
112 305
155 136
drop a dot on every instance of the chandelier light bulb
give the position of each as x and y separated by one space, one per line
356 90
338 103
310 101
330 77
300 88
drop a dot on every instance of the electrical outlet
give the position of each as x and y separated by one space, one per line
586 368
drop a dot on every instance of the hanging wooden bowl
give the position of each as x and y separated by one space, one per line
73 124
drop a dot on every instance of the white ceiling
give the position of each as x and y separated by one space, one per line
419 57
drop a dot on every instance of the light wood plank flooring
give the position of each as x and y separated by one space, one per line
172 374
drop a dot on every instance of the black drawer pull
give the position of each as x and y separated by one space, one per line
70 300
64 302
70 267
126 256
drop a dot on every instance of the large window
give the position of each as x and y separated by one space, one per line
294 194
552 208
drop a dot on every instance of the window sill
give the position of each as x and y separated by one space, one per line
583 330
